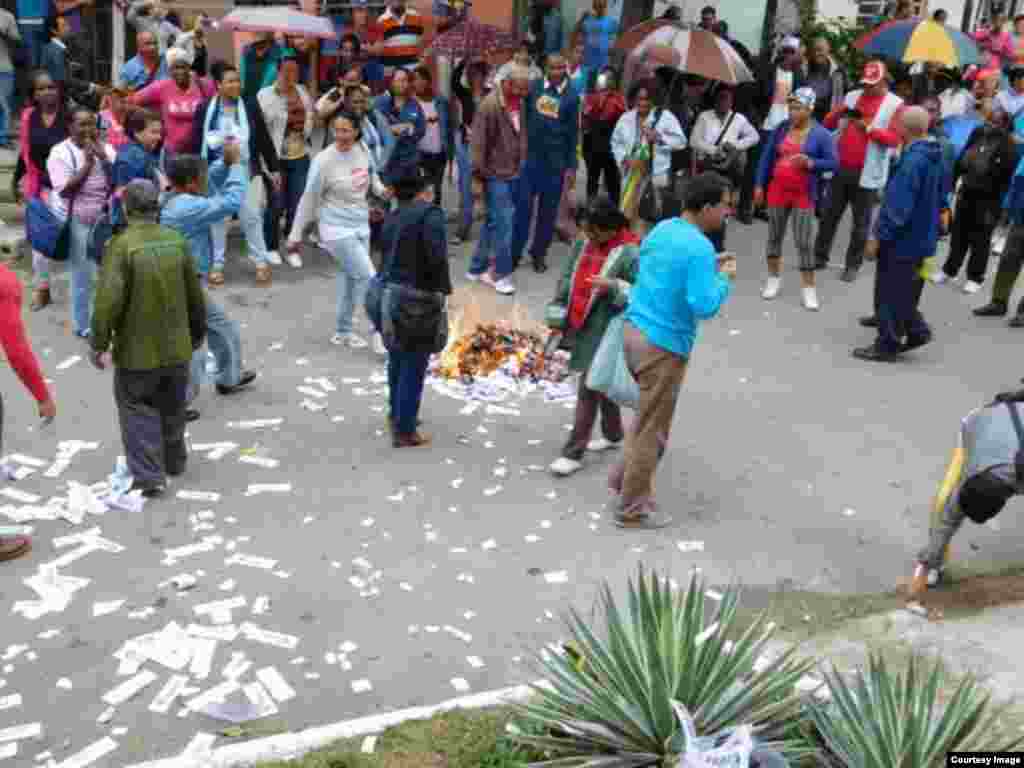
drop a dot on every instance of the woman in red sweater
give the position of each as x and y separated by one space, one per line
23 360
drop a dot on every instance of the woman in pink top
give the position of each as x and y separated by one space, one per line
995 41
112 118
177 100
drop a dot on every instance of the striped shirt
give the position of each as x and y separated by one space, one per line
402 38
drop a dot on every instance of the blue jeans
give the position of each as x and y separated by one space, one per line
465 164
496 235
225 341
406 373
252 228
35 38
286 202
543 186
354 272
6 107
83 274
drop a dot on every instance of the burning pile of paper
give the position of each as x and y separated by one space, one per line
515 346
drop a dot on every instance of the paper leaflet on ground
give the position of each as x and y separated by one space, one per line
54 590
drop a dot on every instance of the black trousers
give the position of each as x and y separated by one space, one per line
603 164
972 231
433 167
151 409
898 289
846 190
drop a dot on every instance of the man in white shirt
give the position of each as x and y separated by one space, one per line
721 138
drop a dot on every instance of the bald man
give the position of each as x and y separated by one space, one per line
905 235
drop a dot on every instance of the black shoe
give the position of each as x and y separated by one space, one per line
849 275
745 218
761 214
916 342
247 378
875 354
871 321
1017 321
992 309
191 414
149 490
540 266
821 264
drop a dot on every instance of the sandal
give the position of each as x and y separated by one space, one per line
216 279
643 522
263 274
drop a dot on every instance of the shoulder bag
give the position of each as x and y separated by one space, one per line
46 231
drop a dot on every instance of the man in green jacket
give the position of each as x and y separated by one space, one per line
150 307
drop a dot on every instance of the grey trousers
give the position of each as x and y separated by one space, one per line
151 409
846 191
803 234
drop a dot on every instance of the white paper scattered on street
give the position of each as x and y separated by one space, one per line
276 684
361 686
260 461
129 688
690 546
255 423
475 662
203 649
252 561
8 750
22 497
21 732
460 684
10 702
556 577
265 636
206 496
105 608
68 362
257 488
172 690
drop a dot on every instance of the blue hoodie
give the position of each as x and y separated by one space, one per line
908 222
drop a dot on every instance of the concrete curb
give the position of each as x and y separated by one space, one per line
289 746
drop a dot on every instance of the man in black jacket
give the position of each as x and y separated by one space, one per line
781 77
229 117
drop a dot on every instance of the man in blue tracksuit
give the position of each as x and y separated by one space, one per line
191 213
906 234
551 115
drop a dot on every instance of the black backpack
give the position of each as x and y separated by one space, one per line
982 161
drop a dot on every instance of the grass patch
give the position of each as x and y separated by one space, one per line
457 739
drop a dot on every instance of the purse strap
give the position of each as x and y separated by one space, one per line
725 128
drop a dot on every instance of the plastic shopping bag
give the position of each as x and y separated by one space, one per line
609 372
729 749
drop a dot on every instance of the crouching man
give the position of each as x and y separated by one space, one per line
149 306
987 470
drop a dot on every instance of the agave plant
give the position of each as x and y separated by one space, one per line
615 708
883 719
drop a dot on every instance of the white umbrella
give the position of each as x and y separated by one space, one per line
281 19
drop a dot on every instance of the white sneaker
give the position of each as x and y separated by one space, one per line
772 286
378 345
350 340
274 258
487 279
563 467
810 296
473 278
599 444
505 286
294 260
938 277
971 287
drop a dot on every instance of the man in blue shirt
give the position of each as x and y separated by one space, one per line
191 213
906 234
32 15
680 282
145 67
599 31
551 116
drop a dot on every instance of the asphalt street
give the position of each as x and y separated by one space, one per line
406 577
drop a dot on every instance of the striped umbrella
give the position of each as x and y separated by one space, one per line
912 40
281 19
694 51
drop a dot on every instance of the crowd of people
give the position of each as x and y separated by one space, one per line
151 172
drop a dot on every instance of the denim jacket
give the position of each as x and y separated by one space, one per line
406 151
192 215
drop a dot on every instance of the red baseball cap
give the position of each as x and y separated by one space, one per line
874 73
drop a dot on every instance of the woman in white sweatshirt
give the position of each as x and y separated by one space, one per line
340 180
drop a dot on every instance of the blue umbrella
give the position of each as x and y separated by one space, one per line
959 128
